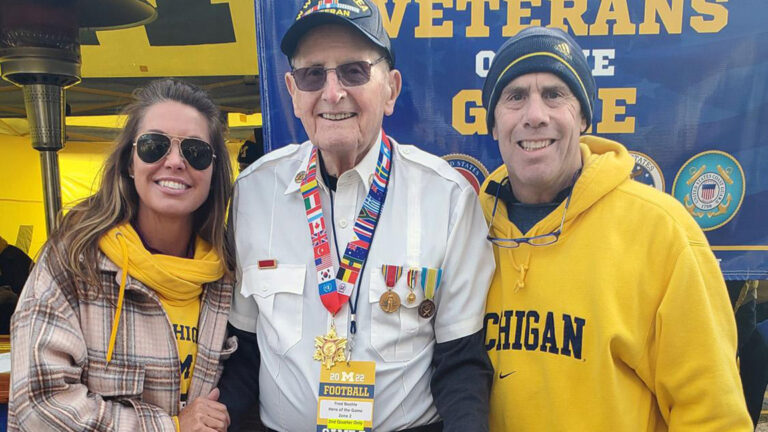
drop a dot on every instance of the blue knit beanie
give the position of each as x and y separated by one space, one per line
540 49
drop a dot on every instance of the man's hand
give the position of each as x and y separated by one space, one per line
204 414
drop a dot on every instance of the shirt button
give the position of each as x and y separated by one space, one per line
343 223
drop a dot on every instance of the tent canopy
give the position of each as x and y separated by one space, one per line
211 44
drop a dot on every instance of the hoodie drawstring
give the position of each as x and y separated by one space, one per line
120 296
522 269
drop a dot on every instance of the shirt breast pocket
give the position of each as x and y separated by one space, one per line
116 380
402 334
279 294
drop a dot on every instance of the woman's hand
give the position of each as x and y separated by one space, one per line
204 414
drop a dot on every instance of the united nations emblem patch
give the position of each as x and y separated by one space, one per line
711 186
472 169
647 171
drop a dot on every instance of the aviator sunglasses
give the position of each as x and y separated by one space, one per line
352 74
151 147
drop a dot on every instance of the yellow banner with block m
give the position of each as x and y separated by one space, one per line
188 38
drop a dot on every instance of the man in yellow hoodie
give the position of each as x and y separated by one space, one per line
607 311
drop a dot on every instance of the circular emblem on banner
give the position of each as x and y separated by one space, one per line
711 186
647 171
472 169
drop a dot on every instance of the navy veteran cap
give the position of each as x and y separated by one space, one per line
540 49
362 15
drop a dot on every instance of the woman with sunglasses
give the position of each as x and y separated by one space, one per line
122 325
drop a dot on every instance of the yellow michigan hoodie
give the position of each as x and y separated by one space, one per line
623 324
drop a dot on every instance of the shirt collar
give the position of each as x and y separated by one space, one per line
364 169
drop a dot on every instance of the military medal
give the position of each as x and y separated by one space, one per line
411 297
330 348
412 279
427 308
430 282
335 287
390 301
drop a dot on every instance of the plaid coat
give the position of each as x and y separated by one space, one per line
60 332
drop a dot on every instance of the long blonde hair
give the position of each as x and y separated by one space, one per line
75 242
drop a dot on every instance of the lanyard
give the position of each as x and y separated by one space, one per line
335 289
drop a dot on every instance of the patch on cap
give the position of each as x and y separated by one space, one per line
351 9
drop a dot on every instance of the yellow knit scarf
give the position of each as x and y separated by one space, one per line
179 281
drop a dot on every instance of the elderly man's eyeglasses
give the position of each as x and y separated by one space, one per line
151 147
539 240
353 74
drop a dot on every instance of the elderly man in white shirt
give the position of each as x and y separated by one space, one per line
357 256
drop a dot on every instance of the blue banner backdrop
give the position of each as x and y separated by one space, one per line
682 83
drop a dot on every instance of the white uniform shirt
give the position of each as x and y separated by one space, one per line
431 218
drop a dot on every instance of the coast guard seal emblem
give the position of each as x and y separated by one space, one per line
472 169
711 187
647 171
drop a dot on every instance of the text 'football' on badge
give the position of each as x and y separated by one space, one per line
345 397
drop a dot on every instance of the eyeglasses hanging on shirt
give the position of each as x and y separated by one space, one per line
537 240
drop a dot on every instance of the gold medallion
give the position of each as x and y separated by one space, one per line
389 301
329 349
411 297
300 176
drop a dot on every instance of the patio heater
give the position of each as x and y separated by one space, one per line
40 52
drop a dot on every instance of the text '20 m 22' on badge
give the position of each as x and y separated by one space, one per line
711 187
